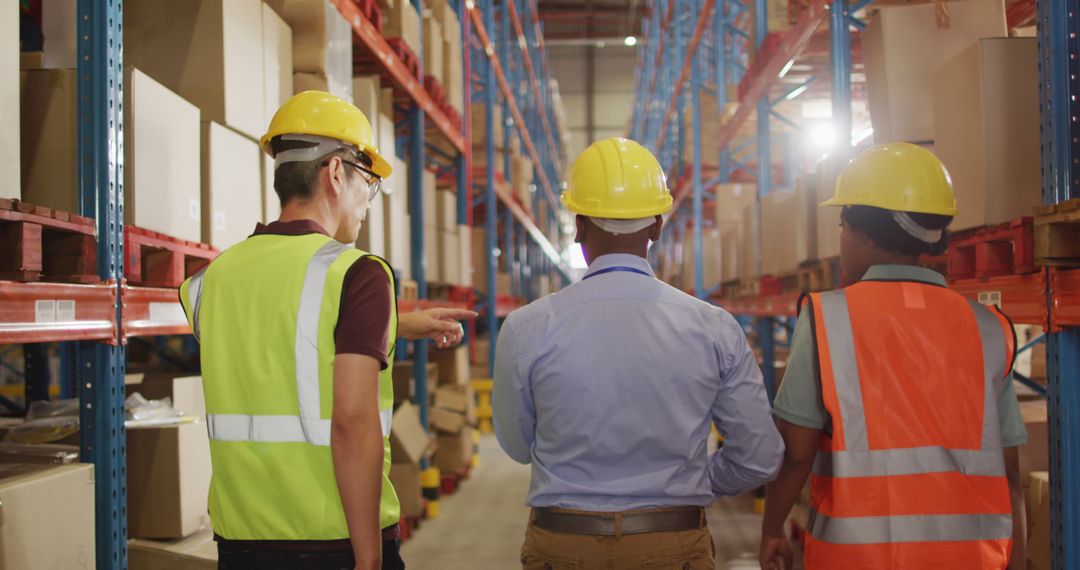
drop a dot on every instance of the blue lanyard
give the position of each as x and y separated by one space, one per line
617 268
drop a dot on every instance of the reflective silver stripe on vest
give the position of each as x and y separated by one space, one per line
195 299
910 528
911 461
307 336
277 429
995 359
834 309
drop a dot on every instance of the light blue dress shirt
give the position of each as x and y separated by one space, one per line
608 388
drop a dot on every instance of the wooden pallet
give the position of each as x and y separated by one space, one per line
157 260
1001 249
1057 234
41 244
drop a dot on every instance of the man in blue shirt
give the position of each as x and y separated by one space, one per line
610 387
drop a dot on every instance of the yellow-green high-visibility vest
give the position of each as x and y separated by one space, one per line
264 313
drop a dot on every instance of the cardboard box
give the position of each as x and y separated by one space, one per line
521 176
433 48
458 399
10 63
404 387
303 81
48 516
409 441
711 259
749 252
388 140
396 221
479 130
903 45
168 472
986 102
732 200
367 90
433 266
405 477
402 21
232 191
464 250
446 210
481 353
453 365
446 421
1039 531
431 201
220 69
196 552
453 74
372 236
161 148
322 42
277 62
1035 454
449 255
779 209
479 254
828 219
455 451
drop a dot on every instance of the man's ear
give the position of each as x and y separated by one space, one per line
582 228
335 176
657 229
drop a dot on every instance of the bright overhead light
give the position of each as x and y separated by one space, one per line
630 41
575 257
798 91
787 68
823 135
601 45
470 5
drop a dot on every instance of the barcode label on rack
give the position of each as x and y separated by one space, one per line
167 313
65 311
992 298
45 311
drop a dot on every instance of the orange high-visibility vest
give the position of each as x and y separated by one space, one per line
913 474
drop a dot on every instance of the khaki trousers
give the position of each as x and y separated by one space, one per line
684 550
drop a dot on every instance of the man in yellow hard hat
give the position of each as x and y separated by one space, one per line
898 401
297 330
610 387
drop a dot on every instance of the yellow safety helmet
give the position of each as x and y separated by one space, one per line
896 176
319 113
617 178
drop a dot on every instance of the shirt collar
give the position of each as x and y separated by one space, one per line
904 273
620 260
290 228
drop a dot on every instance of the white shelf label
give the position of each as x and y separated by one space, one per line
167 313
992 298
45 311
65 311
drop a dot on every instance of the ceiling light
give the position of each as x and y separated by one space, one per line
630 41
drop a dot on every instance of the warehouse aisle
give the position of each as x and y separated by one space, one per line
483 524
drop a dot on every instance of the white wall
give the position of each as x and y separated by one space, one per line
612 91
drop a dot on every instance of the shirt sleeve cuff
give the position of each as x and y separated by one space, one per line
1014 441
381 357
798 420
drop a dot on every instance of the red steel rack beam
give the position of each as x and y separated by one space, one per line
56 312
684 74
1065 285
373 40
508 94
535 82
152 311
1021 297
660 50
782 305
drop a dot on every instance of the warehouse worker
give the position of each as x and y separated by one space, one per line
898 396
610 387
297 331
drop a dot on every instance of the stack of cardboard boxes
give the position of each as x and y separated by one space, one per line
401 20
409 445
453 416
48 515
322 46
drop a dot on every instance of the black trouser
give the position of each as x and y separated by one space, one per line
234 556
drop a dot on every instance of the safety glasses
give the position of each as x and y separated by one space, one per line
374 180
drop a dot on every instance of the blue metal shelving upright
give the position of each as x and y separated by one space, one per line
1059 84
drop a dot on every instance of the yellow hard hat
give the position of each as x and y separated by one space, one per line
321 114
896 176
617 178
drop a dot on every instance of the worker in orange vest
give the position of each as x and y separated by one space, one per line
898 402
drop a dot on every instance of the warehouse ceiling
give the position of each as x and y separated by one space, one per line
572 21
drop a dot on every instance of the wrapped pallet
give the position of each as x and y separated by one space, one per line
221 69
161 151
322 45
985 102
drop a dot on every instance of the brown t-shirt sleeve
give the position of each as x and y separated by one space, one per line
364 319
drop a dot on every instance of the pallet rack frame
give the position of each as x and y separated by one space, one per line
1050 298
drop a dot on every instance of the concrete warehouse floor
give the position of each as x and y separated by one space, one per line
483 524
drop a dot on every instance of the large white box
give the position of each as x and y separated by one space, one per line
403 21
48 516
161 148
366 93
903 45
208 51
168 477
828 218
433 48
232 189
322 42
396 221
9 101
372 236
277 62
986 104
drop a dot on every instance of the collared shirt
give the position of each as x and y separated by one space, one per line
609 387
799 400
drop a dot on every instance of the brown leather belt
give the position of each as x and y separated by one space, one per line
616 524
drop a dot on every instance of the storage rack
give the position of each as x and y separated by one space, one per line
511 64
676 64
107 315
